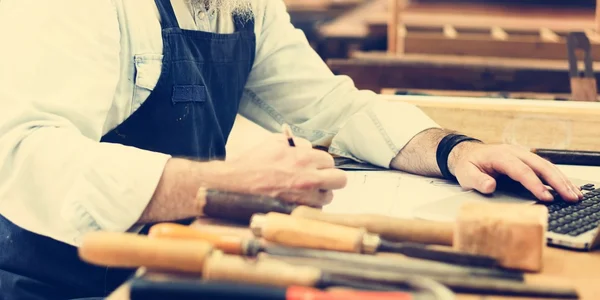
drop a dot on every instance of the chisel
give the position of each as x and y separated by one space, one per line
126 250
392 229
143 289
474 284
239 206
253 247
299 232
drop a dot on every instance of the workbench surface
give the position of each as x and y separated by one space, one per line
561 267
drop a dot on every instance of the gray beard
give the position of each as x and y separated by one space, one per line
242 8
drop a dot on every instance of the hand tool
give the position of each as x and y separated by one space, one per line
512 233
197 257
238 206
299 232
569 157
392 229
129 250
472 284
582 88
252 247
143 289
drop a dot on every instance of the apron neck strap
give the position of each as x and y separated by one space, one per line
167 14
243 23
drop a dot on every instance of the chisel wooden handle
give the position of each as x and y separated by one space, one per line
127 250
239 206
393 229
228 244
306 233
224 267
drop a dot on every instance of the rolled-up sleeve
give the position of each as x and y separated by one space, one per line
290 83
60 65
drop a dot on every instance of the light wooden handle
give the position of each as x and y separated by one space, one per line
228 244
127 250
223 267
393 229
584 89
305 233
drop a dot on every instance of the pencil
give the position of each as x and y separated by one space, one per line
288 133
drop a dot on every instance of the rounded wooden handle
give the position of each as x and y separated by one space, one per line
228 244
224 267
127 250
299 232
393 229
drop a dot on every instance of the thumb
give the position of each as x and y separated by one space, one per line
471 177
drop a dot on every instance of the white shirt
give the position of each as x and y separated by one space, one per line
72 70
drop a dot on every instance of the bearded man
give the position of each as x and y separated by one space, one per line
114 112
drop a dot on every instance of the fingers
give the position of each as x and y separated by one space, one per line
471 177
314 187
328 179
551 175
516 169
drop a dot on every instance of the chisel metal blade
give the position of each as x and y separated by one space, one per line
407 266
423 252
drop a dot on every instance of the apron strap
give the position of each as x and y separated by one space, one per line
243 23
167 14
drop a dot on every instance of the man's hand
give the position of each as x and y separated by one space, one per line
476 165
298 174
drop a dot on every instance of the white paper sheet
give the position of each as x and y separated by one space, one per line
388 193
398 194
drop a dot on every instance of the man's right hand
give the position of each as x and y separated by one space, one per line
298 174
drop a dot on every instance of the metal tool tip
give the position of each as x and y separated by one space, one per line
257 222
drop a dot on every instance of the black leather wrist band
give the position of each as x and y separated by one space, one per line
445 147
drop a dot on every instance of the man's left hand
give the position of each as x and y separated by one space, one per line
477 165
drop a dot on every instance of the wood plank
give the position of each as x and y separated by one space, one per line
433 40
530 123
376 71
319 5
507 17
478 94
352 24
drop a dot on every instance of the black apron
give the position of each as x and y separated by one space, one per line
189 113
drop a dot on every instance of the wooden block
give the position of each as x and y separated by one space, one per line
584 89
512 233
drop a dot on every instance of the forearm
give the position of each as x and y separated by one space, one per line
419 154
175 195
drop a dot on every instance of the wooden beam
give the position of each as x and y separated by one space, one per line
597 16
530 123
376 71
394 15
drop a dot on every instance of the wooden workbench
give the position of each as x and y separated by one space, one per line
561 267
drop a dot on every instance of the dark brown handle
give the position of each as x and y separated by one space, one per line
127 250
239 206
393 229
